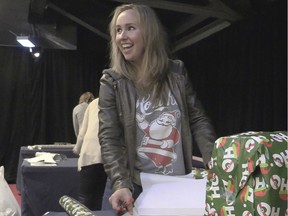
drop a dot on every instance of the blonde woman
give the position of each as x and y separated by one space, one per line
92 174
79 110
148 111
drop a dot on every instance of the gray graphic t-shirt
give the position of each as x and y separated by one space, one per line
159 143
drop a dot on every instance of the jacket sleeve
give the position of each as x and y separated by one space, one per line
111 134
82 132
201 127
75 122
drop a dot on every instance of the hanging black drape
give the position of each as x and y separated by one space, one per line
15 107
57 81
38 96
239 74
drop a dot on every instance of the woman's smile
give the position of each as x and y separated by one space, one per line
129 37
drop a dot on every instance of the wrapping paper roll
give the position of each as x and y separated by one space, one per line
73 207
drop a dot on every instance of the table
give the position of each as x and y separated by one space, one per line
44 185
25 152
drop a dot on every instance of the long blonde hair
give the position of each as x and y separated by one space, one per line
154 69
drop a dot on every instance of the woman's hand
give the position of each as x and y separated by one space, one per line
75 150
122 201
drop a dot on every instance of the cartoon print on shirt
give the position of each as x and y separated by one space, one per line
159 140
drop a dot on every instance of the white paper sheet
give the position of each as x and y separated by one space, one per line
42 158
171 195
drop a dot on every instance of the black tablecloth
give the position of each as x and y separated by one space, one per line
44 185
25 152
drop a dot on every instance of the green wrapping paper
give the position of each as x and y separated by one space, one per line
248 175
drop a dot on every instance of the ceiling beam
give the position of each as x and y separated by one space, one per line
224 7
209 11
200 34
47 32
188 23
77 20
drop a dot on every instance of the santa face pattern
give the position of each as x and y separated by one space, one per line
159 134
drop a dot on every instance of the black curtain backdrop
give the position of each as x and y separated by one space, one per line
240 75
37 97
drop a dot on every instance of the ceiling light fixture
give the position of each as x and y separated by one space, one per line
35 52
24 41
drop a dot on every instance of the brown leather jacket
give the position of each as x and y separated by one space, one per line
117 128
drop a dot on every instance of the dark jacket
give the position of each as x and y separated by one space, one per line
117 117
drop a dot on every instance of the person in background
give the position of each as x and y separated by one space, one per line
92 175
148 111
79 110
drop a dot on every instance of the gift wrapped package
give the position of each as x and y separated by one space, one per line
248 175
